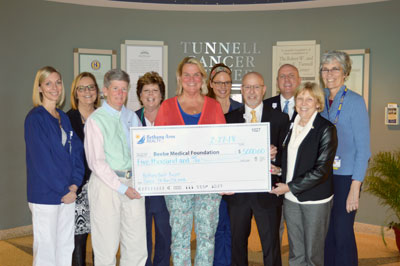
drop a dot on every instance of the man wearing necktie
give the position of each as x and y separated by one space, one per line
265 207
288 81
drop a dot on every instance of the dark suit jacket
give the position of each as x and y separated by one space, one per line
312 176
276 100
279 125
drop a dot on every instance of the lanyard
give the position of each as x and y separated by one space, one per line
141 117
339 108
287 135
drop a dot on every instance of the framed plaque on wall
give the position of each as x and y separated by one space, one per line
358 79
305 55
139 57
95 61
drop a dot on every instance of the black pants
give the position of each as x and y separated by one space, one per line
79 254
268 222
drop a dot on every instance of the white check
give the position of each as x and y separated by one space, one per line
201 159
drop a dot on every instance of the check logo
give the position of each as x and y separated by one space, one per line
141 140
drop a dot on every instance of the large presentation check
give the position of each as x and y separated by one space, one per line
201 159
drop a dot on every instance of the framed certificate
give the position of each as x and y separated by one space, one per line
201 159
304 55
358 80
95 61
139 57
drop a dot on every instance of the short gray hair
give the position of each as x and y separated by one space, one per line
342 57
115 74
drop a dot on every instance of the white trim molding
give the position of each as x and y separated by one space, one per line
218 8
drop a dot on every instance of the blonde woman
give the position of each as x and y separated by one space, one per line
55 170
307 168
191 107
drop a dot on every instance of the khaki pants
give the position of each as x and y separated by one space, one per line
116 219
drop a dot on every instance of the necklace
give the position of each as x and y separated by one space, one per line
299 129
83 119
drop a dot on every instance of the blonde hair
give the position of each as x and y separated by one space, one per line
315 92
74 87
194 61
41 75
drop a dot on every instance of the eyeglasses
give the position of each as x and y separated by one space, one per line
334 70
220 83
84 88
255 87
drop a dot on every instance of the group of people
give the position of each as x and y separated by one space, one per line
79 170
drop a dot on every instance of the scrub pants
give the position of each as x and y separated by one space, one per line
156 207
223 239
53 234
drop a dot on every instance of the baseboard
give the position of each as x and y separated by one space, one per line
373 230
358 228
16 232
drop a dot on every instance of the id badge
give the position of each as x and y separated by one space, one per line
336 163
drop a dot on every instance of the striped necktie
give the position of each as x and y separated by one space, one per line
286 107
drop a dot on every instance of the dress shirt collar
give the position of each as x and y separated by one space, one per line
283 100
113 111
247 112
290 107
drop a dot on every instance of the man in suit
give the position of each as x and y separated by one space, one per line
288 80
265 207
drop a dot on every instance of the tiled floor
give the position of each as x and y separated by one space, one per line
372 252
